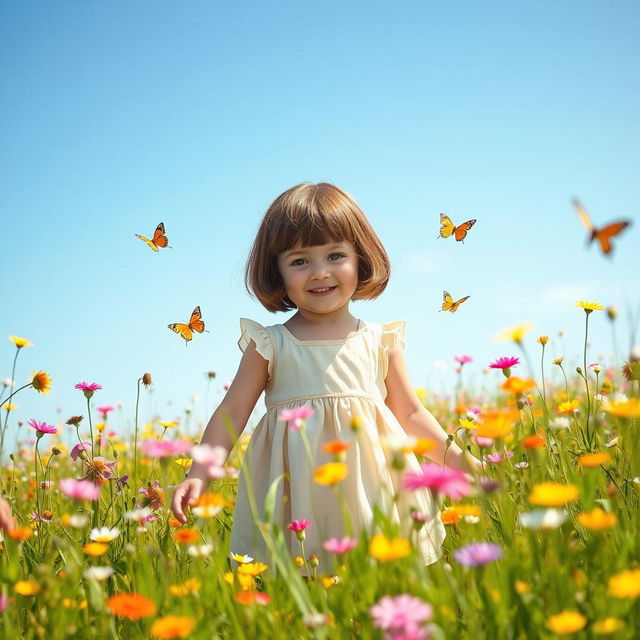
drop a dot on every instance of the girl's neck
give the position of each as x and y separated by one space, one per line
306 326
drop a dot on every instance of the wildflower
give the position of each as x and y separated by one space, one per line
97 470
88 388
104 534
153 495
74 421
628 409
462 359
401 616
170 425
139 515
566 622
356 424
330 473
200 551
497 457
79 489
553 494
41 382
505 363
105 411
296 416
543 519
98 573
298 526
20 533
172 627
146 379
192 585
560 423
625 584
26 587
543 340
475 554
21 342
242 559
515 334
387 549
95 549
131 605
534 442
186 536
558 361
450 516
423 446
208 505
446 481
336 447
316 619
631 370
597 519
594 459
607 625
340 546
164 448
252 569
521 465
589 306
568 407
252 597
74 520
68 603
78 449
41 427
211 457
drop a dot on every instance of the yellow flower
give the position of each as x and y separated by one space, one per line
515 334
20 342
521 587
597 519
553 494
467 424
543 340
172 627
422 446
628 409
608 625
625 584
386 549
228 578
566 622
498 426
68 603
329 581
41 381
192 585
100 427
594 459
95 549
251 568
185 463
589 306
9 407
568 406
26 587
330 473
169 425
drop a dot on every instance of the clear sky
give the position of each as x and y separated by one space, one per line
115 116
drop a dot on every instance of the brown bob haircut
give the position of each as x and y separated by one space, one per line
308 215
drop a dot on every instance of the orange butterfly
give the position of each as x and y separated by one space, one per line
160 241
447 228
603 235
186 330
448 304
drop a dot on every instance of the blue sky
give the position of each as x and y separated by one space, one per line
116 116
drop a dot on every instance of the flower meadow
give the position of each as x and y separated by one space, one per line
543 543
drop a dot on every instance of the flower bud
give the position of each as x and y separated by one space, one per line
612 313
543 340
146 379
314 561
299 560
55 451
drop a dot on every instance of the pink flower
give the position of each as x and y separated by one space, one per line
462 359
105 411
506 362
211 457
88 388
4 602
299 525
481 441
401 617
41 427
79 489
498 457
296 416
340 546
446 481
164 448
75 452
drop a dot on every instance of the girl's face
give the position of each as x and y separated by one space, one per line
320 279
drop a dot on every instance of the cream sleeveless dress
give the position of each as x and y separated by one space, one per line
341 380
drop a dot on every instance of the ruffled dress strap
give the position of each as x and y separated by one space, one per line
392 334
251 330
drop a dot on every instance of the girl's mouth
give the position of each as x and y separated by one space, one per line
321 291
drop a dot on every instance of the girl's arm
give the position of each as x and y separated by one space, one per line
416 420
234 410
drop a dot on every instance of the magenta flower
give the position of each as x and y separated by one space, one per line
444 480
82 446
462 359
211 457
401 616
79 489
105 411
296 416
164 448
478 553
88 388
505 363
340 546
299 525
41 427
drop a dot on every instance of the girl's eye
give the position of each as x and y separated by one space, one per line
336 256
297 262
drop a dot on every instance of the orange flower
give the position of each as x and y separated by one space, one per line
628 409
41 382
174 522
423 446
516 385
185 536
26 587
534 442
330 473
336 446
22 533
251 597
594 459
131 605
597 519
95 549
450 516
496 424
172 627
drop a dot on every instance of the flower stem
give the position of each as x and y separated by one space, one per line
90 426
135 438
586 377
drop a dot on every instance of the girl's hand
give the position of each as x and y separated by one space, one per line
6 517
185 495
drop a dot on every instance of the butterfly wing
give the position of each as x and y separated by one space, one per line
159 238
460 232
151 243
604 235
446 226
447 301
195 322
455 305
583 215
182 329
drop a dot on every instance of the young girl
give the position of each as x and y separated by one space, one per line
315 251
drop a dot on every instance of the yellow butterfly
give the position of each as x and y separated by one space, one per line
186 330
603 235
447 228
159 240
448 304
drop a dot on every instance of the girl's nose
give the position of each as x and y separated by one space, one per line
319 271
